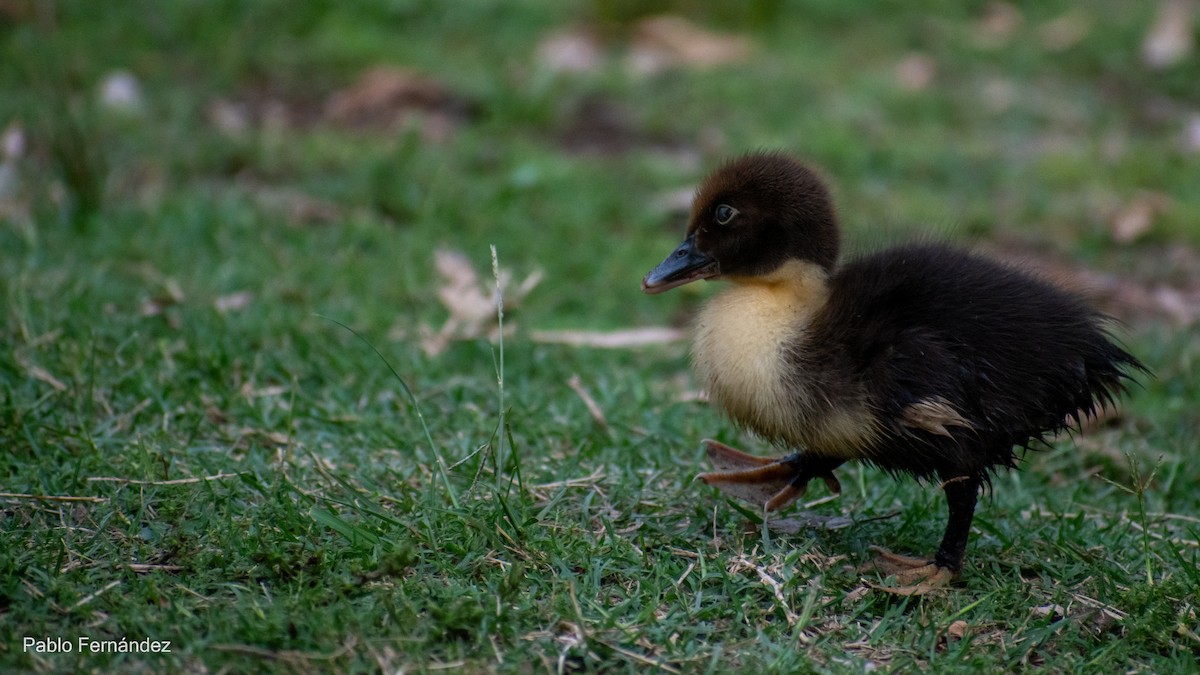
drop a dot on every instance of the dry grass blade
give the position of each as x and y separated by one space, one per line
177 481
42 375
92 596
640 658
53 498
587 481
617 339
742 563
594 410
288 655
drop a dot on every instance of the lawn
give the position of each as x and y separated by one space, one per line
255 399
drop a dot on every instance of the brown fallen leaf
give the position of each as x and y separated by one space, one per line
572 50
857 594
215 414
915 72
669 41
248 390
13 141
12 149
233 302
1181 307
998 25
120 91
247 436
1171 37
1137 216
1191 134
387 97
470 301
170 295
957 629
462 293
1054 612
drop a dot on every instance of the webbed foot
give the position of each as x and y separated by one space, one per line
763 481
916 576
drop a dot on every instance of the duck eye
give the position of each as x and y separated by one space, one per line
725 213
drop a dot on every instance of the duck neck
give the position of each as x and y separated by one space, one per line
800 283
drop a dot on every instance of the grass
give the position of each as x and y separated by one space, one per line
252 482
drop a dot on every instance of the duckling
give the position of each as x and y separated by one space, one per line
923 360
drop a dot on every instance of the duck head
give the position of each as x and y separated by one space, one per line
749 219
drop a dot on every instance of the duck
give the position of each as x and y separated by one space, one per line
924 359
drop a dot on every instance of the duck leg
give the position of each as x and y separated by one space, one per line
762 481
918 576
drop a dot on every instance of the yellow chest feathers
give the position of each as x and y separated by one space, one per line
748 354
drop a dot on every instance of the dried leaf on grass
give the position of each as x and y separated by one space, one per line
1093 615
1136 217
233 302
1054 612
915 72
1191 134
12 143
120 91
470 301
998 25
668 41
248 436
387 97
1171 37
571 50
857 594
16 194
157 304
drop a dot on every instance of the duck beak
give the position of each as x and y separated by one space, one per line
683 266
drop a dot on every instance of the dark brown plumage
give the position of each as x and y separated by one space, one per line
921 359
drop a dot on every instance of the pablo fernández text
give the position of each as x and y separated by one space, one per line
86 645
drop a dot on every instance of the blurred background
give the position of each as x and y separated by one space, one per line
570 135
